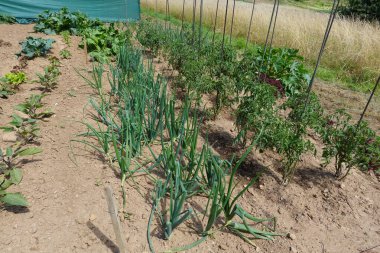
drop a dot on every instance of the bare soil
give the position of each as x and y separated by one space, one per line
68 210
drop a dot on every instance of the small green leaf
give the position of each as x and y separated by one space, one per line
9 152
15 176
14 199
29 151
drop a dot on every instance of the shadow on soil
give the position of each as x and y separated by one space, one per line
223 142
103 238
16 209
317 176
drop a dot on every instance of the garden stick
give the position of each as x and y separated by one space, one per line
334 10
183 15
274 27
224 26
216 20
250 23
369 100
270 28
193 25
115 221
166 13
169 14
200 26
85 49
232 20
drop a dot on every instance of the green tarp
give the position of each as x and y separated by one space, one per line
105 10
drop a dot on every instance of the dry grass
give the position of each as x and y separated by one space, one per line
353 46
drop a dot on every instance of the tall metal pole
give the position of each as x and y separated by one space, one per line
324 41
200 26
274 27
232 20
369 100
183 15
215 21
250 24
224 27
269 29
194 10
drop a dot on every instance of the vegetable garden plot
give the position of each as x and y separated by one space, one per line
143 132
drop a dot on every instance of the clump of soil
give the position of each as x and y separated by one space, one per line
5 43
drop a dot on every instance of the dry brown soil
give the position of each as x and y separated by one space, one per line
68 210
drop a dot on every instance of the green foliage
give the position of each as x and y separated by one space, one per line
66 37
26 129
50 22
35 47
49 79
255 110
11 82
280 67
32 106
6 19
362 9
149 35
369 155
137 113
349 144
15 78
65 54
220 71
104 41
285 64
11 175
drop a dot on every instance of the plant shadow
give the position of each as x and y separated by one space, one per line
16 209
315 175
220 140
102 237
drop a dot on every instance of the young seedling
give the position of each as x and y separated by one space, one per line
11 82
66 37
32 105
65 54
25 129
11 175
49 79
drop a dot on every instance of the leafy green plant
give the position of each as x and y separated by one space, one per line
49 79
66 37
32 106
254 110
10 83
11 175
34 47
65 54
7 19
26 129
50 22
15 78
369 155
361 9
150 35
347 143
104 41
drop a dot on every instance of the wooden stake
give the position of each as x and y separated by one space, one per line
85 49
115 220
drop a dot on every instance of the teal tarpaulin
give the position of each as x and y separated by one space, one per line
105 10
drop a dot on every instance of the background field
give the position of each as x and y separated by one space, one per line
352 54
